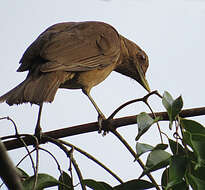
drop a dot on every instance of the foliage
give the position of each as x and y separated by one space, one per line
182 159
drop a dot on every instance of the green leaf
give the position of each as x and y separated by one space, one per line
196 183
161 147
107 186
176 148
199 172
165 178
172 106
167 102
135 184
144 122
43 181
66 181
177 167
187 138
177 107
22 173
141 148
198 143
95 185
177 185
192 126
177 170
156 159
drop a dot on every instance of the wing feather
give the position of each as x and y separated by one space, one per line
79 46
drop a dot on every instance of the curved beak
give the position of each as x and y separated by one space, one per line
143 80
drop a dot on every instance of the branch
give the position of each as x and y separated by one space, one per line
8 172
91 127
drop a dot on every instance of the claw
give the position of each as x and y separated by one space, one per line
100 120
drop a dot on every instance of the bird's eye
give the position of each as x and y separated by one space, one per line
141 56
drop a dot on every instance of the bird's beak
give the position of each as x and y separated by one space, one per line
143 80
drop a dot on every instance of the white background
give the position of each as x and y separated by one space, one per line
170 31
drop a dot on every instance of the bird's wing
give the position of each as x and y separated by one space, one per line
79 46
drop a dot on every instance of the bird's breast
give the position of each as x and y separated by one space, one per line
88 79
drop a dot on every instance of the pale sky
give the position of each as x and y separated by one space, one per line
170 31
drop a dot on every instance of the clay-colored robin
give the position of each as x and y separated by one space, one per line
75 55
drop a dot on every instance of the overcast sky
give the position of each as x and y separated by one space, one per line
170 31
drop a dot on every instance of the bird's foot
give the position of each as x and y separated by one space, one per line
101 118
104 125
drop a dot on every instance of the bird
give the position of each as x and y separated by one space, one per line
75 55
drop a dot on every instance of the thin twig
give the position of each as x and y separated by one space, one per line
77 170
71 173
14 124
18 136
29 153
57 163
135 156
131 102
22 159
160 132
93 159
69 154
57 143
37 166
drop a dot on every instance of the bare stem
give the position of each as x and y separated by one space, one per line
160 132
57 163
93 159
70 155
133 101
77 171
135 156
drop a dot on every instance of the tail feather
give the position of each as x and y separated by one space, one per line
36 89
15 96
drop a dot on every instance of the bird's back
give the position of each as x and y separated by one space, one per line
72 46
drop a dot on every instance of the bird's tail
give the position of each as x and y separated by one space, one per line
36 90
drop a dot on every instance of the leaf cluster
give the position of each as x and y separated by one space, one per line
185 165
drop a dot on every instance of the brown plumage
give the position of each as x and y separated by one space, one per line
75 55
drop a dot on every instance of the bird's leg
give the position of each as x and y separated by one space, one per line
101 116
38 127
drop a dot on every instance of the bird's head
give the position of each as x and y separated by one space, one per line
133 62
